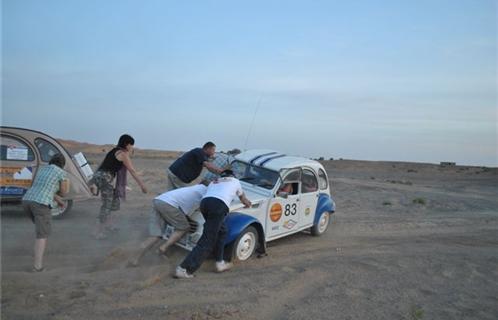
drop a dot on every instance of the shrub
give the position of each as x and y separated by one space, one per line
419 201
417 313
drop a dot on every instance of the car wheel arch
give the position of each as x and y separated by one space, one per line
237 223
261 237
325 204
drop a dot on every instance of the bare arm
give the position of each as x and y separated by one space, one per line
63 190
64 187
211 167
125 158
59 200
246 202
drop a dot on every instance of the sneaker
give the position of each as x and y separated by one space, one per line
182 273
36 270
223 266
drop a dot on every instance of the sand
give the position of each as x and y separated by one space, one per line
383 257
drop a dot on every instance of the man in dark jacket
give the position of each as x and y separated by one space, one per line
189 166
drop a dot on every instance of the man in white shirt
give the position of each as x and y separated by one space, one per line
172 207
214 207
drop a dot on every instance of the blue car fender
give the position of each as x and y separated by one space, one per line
236 223
325 204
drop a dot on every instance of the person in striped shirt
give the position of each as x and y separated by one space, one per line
221 160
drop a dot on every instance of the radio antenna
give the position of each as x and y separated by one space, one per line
252 122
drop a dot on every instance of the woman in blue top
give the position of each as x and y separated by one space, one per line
49 183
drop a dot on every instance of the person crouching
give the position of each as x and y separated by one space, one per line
173 208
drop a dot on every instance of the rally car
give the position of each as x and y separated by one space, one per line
289 194
23 151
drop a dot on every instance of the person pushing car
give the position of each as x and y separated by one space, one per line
189 166
174 208
214 207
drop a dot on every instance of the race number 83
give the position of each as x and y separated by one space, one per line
290 209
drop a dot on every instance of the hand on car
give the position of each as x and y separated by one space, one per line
59 202
247 204
94 190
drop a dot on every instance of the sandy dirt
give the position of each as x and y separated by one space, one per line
383 257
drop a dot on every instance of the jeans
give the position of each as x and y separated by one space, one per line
213 236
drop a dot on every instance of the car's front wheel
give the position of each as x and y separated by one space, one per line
59 213
245 245
321 226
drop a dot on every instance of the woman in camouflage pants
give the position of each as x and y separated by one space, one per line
110 201
116 160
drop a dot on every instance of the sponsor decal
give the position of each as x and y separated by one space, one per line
15 182
276 212
307 211
24 174
17 153
11 170
16 177
289 224
275 228
12 191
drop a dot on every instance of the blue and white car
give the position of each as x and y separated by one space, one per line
289 194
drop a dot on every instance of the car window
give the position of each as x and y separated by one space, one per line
293 176
46 149
290 183
322 180
309 181
255 175
14 149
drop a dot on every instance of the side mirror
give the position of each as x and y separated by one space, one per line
283 194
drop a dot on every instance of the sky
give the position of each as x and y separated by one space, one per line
370 80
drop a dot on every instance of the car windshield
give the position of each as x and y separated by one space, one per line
255 175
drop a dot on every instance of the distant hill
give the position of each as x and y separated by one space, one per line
95 149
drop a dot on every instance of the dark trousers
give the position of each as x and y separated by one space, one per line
213 236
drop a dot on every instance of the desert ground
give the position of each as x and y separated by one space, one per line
408 241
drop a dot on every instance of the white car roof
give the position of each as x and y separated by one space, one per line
275 160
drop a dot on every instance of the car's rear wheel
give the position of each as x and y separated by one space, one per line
59 213
322 225
245 245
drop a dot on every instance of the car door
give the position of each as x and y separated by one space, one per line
309 197
18 166
283 210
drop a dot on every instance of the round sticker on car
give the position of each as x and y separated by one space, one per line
276 212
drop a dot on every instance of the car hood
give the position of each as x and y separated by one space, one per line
254 197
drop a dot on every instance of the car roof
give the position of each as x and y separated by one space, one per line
275 160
